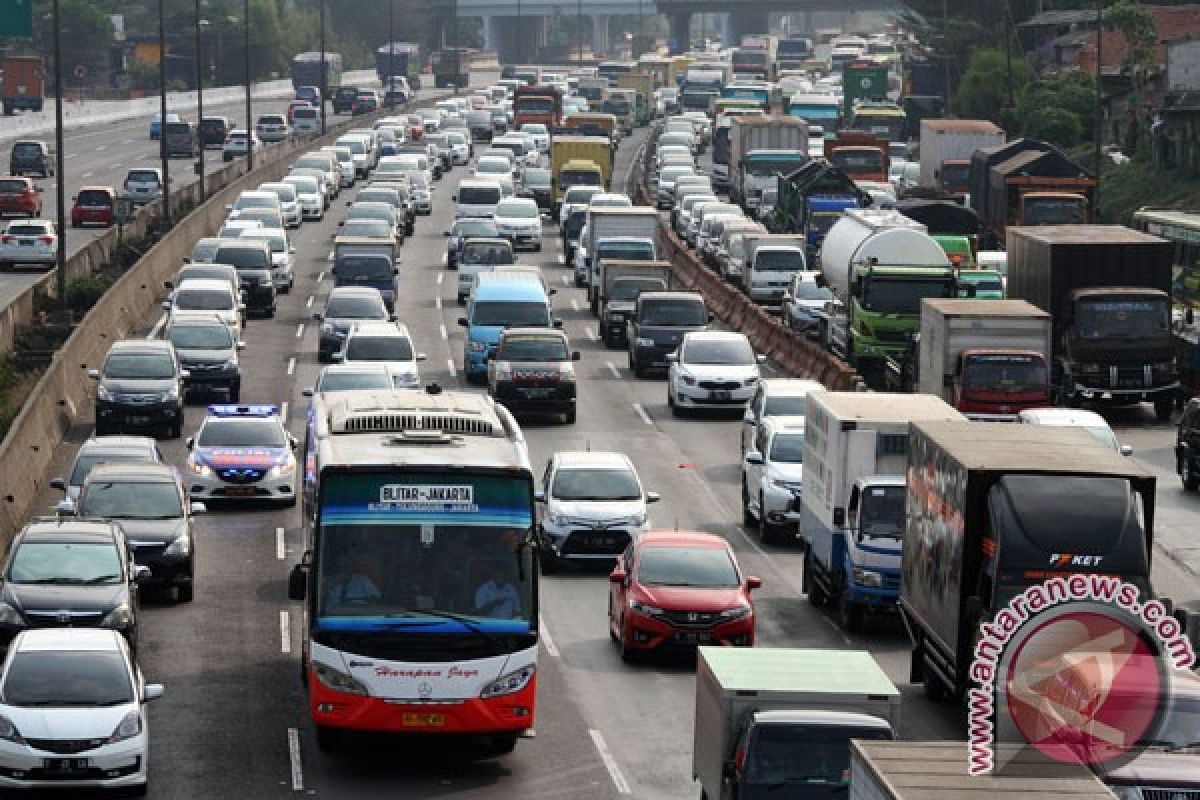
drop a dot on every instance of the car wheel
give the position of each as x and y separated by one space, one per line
850 614
329 740
628 654
570 415
816 595
235 393
748 518
766 531
184 592
549 561
1163 407
503 743
175 430
137 789
1187 473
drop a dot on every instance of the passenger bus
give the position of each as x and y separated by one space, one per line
418 577
1182 229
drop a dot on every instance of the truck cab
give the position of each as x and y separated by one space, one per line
769 269
1053 208
997 384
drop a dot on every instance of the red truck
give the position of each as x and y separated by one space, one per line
537 104
24 84
862 156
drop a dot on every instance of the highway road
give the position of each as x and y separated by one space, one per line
233 722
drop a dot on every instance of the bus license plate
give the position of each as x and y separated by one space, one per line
411 720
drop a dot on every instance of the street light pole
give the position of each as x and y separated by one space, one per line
520 37
579 28
391 59
162 110
59 160
249 112
324 70
200 104
1099 123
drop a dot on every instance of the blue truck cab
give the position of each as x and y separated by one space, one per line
819 215
501 300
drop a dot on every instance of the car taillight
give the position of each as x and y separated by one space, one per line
7 239
46 239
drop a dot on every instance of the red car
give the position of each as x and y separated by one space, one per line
19 196
674 589
416 127
94 205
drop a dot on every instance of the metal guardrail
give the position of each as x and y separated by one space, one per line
793 352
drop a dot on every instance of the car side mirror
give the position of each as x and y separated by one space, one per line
199 508
711 317
189 442
318 317
446 232
58 483
166 304
152 691
338 358
1126 449
673 358
756 458
1189 317
617 576
291 248
140 573
94 374
539 496
760 358
753 582
839 517
240 345
576 355
242 308
298 582
309 392
65 507
229 207
653 497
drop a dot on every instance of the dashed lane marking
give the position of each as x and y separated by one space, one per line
547 641
291 368
610 763
280 544
641 412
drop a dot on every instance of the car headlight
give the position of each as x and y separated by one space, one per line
648 610
474 346
503 372
637 520
566 373
556 519
10 616
643 342
199 468
737 612
867 577
1126 792
327 327
751 381
511 683
337 680
102 393
9 732
171 394
182 546
231 364
119 617
688 380
282 470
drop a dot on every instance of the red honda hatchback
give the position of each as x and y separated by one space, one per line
19 195
94 205
674 589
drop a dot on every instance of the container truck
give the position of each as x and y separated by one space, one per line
946 149
634 226
810 199
622 282
862 80
537 104
880 265
769 261
862 156
880 118
565 149
1107 289
622 104
852 497
23 84
402 60
753 62
701 85
783 145
774 718
593 90
642 83
792 52
818 110
991 510
926 770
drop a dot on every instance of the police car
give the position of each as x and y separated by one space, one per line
242 451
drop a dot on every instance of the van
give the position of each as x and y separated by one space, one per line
207 296
182 140
478 256
213 131
252 259
508 300
476 197
306 121
362 265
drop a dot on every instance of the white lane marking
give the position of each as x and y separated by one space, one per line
308 303
641 412
616 373
562 259
591 333
610 763
87 174
285 631
437 303
101 147
293 737
280 546
116 166
450 366
574 304
439 278
69 155
300 331
283 413
320 276
565 281
442 330
291 365
157 329
547 642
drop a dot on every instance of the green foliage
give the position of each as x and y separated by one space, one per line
1052 124
1060 110
85 35
983 90
1126 188
84 291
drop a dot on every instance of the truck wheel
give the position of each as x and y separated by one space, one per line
1162 408
816 594
850 614
1187 474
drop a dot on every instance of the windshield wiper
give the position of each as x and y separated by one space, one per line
100 579
467 622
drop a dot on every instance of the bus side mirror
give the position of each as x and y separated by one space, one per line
298 581
839 517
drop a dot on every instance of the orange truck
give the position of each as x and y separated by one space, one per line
862 156
24 83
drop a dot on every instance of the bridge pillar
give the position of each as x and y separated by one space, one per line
743 23
490 39
679 37
600 41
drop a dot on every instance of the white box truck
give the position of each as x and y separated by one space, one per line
946 149
780 144
938 771
853 496
769 262
777 717
987 358
625 234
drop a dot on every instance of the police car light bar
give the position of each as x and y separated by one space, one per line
263 410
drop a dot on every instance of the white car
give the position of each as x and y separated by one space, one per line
29 241
242 452
386 343
575 198
289 203
496 168
347 170
460 148
238 143
272 128
211 296
712 369
772 471
776 397
234 228
519 220
254 199
804 302
1090 421
308 195
593 507
282 266
541 136
360 153
58 729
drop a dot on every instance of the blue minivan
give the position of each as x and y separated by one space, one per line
499 301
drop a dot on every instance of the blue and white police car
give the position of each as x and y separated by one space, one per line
242 452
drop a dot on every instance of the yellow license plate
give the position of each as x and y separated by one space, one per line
423 720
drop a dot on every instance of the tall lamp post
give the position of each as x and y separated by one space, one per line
579 28
249 118
324 70
391 59
520 36
201 24
59 161
1099 123
162 110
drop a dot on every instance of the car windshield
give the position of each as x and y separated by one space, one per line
85 462
94 197
139 366
493 167
511 313
378 348
625 251
260 432
881 511
276 239
88 563
698 567
787 448
141 176
216 336
13 186
257 201
349 381
131 500
58 678
370 228
786 405
517 210
807 290
203 300
244 257
595 484
485 253
718 351
803 758
478 195
474 227
363 268
778 260
625 291
30 149
674 313
533 348
537 178
580 195
355 308
304 184
28 230
380 212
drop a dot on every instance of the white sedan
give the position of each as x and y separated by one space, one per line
713 370
772 475
73 711
29 241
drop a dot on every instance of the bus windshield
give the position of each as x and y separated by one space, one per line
425 549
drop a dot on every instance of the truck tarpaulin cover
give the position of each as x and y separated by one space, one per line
985 158
941 216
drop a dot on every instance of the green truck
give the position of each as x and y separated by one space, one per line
862 80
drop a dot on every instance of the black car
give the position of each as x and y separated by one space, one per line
343 99
208 351
252 259
657 325
150 505
31 158
1187 446
365 102
258 291
463 229
537 183
347 305
70 572
140 388
213 131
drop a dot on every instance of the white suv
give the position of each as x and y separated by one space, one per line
772 471
385 343
594 506
776 397
712 369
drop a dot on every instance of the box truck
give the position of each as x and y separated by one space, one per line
624 234
946 149
781 144
769 261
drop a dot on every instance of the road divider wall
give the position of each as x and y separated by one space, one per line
793 352
65 395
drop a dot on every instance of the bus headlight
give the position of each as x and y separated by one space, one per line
511 683
337 680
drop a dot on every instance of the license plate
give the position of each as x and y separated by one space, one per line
693 638
139 420
66 764
537 394
240 491
413 720
720 394
27 242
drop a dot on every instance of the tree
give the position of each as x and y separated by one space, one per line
983 90
1055 125
86 34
